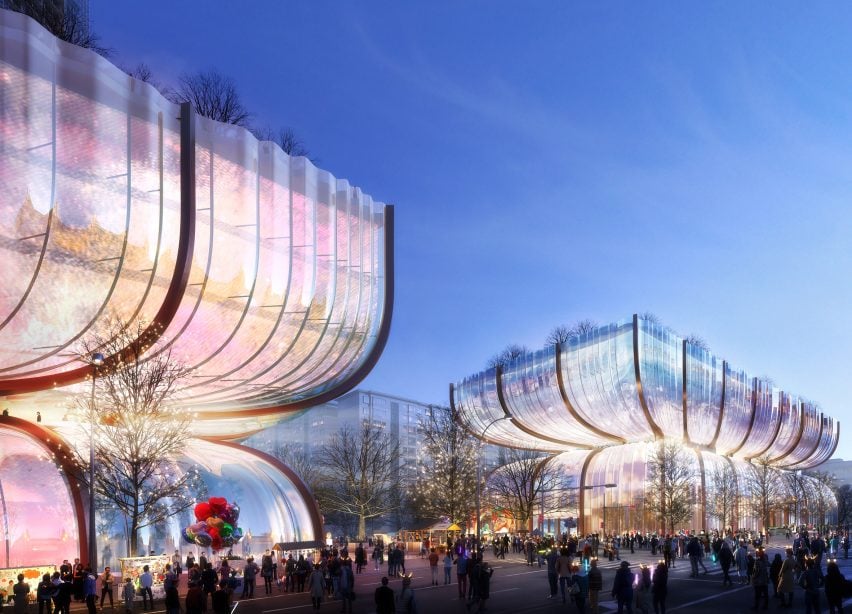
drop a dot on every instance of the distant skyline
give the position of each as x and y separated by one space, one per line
562 161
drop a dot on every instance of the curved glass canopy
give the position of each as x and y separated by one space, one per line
637 381
269 277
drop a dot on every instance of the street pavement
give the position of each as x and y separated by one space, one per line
516 587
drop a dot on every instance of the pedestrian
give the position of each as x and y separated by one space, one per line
406 603
659 588
195 599
347 585
249 574
433 565
107 580
385 603
316 586
835 584
21 591
220 601
483 586
760 580
146 581
563 571
44 593
448 567
622 588
741 558
552 577
775 573
644 591
580 588
461 574
267 572
128 593
786 579
811 580
360 557
595 585
726 558
172 600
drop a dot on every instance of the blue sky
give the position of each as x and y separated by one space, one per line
552 161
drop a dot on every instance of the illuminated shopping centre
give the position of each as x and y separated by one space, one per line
268 277
595 404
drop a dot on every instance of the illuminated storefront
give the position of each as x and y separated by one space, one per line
598 402
269 277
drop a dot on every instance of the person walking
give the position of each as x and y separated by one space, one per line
384 597
90 593
44 594
581 592
552 576
146 581
563 571
195 599
406 602
775 574
249 576
741 558
786 579
267 572
448 567
659 588
347 586
622 588
107 580
595 586
21 592
726 559
811 581
128 594
644 591
483 586
433 565
835 583
316 586
172 600
760 580
220 601
461 574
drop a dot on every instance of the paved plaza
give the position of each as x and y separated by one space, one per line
517 587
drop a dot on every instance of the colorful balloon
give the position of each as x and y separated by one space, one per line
203 540
202 511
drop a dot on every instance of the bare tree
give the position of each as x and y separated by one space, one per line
843 495
765 487
212 95
651 317
285 138
357 469
562 334
446 484
138 433
823 498
670 478
64 20
520 481
696 341
509 353
297 459
723 496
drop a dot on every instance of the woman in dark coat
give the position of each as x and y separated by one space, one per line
660 588
775 573
834 584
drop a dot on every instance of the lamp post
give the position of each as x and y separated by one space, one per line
604 486
96 360
479 477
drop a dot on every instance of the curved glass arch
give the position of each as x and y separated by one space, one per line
791 421
766 420
600 380
531 392
704 377
737 415
661 371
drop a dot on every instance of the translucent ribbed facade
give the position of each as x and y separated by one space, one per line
268 277
600 400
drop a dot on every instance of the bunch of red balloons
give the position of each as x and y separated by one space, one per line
216 524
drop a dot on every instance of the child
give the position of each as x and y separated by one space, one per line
129 594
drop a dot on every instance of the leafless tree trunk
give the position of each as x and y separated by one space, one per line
509 353
562 334
764 485
137 430
670 477
723 496
357 469
520 481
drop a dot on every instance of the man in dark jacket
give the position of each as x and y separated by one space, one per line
209 579
385 603
622 588
595 586
726 558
